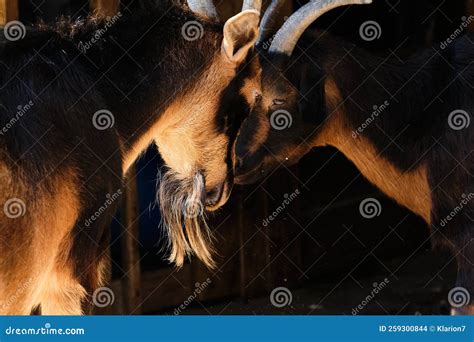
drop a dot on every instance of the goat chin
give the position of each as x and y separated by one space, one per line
183 217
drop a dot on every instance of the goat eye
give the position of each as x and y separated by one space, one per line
278 102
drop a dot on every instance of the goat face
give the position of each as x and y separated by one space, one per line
195 137
281 126
194 134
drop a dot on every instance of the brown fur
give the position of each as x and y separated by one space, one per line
183 135
32 265
410 189
47 256
183 132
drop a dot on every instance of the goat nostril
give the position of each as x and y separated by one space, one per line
214 195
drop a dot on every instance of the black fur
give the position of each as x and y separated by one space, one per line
421 91
134 70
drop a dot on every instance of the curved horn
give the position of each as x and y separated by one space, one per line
286 38
205 8
252 5
269 20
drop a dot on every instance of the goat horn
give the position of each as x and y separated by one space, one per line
255 5
269 20
205 8
286 38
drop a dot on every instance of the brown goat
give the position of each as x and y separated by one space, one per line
80 102
406 126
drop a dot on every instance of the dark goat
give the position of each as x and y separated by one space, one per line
405 125
79 102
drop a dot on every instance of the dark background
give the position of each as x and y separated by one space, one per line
321 248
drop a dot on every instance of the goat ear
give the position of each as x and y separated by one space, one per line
240 34
312 102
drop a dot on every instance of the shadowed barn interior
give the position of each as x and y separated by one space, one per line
297 241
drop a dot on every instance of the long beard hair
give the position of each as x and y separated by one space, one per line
183 217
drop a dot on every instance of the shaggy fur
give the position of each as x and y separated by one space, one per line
153 85
186 195
330 95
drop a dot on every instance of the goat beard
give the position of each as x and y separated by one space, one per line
183 215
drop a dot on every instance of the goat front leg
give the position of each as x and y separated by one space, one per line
80 268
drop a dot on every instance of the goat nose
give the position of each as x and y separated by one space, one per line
214 195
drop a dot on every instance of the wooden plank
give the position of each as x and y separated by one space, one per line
104 8
284 241
255 253
241 231
168 288
130 250
269 255
8 11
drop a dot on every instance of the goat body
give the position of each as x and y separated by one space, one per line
80 102
404 124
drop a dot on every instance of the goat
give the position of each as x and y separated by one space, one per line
81 100
405 126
